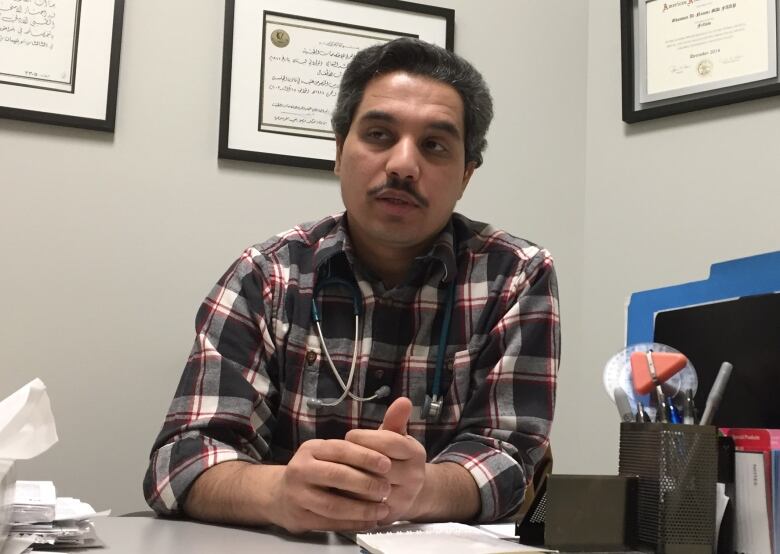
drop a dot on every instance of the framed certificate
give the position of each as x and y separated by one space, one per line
59 61
282 66
684 55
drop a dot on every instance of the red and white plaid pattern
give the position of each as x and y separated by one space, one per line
257 358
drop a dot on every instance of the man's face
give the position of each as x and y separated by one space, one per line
402 163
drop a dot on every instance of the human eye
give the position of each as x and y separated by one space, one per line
435 146
377 135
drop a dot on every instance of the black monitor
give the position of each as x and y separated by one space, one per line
744 331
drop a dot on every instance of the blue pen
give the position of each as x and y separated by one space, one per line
674 413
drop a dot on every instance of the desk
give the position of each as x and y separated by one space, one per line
148 535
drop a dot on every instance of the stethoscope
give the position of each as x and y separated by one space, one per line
432 406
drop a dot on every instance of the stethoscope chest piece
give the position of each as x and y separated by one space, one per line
431 409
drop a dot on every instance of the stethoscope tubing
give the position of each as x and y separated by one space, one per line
357 302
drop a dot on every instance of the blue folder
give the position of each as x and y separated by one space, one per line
732 279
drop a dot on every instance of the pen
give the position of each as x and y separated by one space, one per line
674 413
623 405
716 393
689 409
661 407
641 414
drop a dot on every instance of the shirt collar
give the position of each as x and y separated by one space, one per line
334 243
338 242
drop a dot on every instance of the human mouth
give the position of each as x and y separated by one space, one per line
398 191
395 205
397 198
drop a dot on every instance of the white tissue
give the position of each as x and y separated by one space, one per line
27 425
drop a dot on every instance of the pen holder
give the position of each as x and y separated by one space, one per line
676 466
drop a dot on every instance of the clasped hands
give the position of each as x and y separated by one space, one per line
371 477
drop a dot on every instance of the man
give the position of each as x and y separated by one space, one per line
333 420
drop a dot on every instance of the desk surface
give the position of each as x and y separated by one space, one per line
148 535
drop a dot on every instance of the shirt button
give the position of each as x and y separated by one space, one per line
378 373
311 357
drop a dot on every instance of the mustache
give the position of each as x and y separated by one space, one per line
396 183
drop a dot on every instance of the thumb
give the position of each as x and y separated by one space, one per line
397 416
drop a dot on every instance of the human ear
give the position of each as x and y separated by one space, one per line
339 148
467 173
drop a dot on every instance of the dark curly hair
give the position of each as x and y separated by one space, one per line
418 58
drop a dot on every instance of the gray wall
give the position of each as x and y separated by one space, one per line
109 243
664 200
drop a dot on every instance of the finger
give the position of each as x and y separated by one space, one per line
315 522
397 416
392 445
335 506
342 525
352 454
345 478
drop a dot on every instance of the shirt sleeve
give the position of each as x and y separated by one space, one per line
505 425
224 405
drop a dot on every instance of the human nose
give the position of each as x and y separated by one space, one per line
404 161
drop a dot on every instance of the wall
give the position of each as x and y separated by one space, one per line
110 242
664 200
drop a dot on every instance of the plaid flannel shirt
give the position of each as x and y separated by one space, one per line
257 359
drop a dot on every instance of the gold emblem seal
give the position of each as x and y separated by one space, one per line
280 38
704 68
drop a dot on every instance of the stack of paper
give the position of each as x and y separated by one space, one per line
58 534
757 480
30 512
39 516
7 480
27 429
437 537
33 502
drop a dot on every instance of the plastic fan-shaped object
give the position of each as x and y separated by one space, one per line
618 373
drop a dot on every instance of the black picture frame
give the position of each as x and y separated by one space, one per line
287 147
634 111
76 107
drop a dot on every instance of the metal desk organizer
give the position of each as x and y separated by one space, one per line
677 470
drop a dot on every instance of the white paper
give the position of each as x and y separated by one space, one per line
437 537
27 425
721 502
302 67
696 45
501 530
38 43
752 531
33 502
246 90
73 509
35 493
